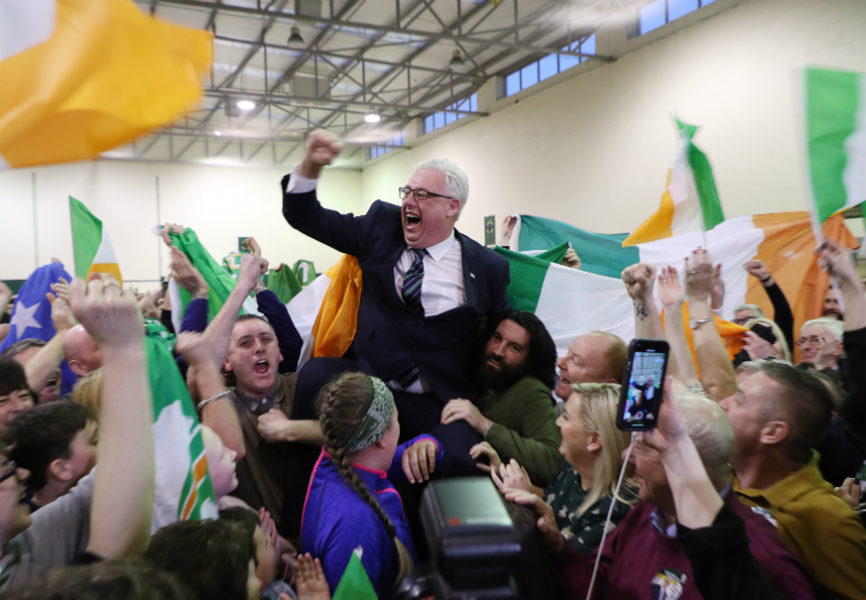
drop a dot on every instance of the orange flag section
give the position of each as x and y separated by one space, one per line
658 225
731 334
107 74
788 253
337 321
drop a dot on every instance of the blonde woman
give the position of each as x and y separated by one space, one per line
582 491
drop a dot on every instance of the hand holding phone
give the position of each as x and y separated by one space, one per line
641 391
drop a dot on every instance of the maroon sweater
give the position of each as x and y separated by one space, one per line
640 562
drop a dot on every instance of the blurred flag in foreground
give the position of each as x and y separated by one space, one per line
835 115
690 201
91 245
83 76
183 488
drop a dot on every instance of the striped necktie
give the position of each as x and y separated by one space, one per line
412 281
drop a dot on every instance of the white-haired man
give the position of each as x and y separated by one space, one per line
428 289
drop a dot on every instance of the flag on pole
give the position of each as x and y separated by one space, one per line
183 489
91 245
284 283
355 584
83 76
835 115
690 201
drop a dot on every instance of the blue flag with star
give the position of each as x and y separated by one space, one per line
31 315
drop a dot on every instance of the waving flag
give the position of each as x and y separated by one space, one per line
835 107
183 489
690 201
83 76
219 282
91 245
572 302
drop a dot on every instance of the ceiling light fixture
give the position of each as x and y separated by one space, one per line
372 117
217 133
246 105
456 60
295 37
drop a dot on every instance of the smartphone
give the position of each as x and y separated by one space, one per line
641 393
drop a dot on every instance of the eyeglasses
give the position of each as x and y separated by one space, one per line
812 339
420 193
12 470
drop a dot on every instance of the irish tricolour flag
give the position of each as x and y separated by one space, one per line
91 245
572 302
835 111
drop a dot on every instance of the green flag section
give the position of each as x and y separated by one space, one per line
600 253
219 282
305 271
91 246
690 201
355 584
183 488
835 115
284 283
705 183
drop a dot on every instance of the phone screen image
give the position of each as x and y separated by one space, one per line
643 392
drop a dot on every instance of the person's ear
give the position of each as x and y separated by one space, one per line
773 432
453 208
60 469
594 444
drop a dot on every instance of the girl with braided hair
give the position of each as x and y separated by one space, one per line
350 501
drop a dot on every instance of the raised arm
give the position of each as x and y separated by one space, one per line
123 487
638 280
322 148
208 391
836 260
672 296
45 362
717 374
219 331
782 314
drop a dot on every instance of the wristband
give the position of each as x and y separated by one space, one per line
207 401
766 279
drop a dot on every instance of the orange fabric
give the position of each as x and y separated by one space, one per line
731 335
337 320
788 253
658 225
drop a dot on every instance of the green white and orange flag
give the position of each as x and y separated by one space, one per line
571 302
835 134
83 76
690 201
91 245
183 490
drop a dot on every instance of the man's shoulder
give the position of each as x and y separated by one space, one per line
474 250
529 384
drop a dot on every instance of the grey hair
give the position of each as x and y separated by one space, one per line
456 182
752 307
834 326
708 427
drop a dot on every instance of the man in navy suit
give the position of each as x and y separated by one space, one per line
428 290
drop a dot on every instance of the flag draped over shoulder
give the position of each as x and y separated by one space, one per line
835 123
690 201
83 76
572 302
183 489
91 246
31 316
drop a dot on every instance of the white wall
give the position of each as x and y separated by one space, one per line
219 203
593 149
590 147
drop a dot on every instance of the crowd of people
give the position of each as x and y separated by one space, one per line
745 488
